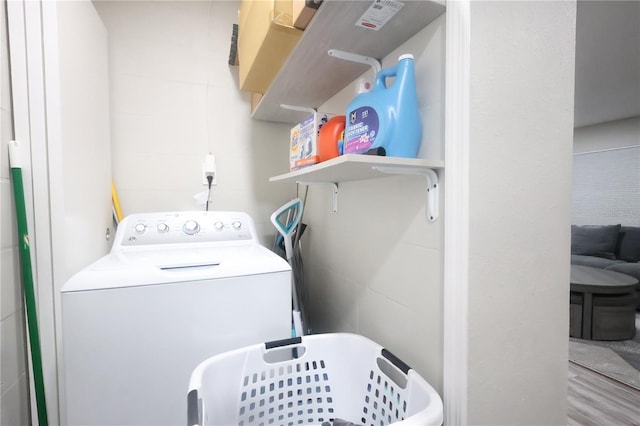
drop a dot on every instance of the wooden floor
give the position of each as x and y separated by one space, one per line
596 400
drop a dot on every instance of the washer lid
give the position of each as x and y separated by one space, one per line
163 265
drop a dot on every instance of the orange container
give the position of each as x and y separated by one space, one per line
329 136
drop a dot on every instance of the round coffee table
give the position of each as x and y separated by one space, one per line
593 281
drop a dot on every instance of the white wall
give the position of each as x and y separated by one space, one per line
174 99
14 404
606 174
521 129
375 267
81 147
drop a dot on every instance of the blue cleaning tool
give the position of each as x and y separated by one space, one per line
286 220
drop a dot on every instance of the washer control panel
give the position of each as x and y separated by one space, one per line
184 227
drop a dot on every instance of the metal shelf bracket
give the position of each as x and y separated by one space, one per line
334 191
433 206
354 57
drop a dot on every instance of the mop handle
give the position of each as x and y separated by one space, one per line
16 163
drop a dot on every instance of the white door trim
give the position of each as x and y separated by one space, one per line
26 37
456 212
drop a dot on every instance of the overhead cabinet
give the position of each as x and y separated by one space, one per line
309 76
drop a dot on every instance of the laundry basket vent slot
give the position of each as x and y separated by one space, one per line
288 395
384 403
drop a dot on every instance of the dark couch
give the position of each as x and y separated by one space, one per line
611 247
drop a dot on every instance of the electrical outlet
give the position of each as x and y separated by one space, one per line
209 169
205 173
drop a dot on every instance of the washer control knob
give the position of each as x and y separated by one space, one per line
236 224
218 226
163 227
140 228
191 227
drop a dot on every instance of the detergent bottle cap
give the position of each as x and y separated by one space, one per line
405 56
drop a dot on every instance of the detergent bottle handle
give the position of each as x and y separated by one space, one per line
381 78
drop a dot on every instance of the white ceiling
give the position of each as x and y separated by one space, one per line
607 61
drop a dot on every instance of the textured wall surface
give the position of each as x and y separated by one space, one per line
174 99
521 132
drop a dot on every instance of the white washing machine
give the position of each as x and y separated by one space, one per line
176 289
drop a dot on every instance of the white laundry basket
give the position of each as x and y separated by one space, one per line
309 381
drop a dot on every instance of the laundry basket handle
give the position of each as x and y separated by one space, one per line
392 367
396 361
193 414
284 342
278 351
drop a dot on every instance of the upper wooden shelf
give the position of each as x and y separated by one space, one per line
310 77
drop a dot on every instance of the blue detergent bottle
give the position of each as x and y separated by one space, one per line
386 120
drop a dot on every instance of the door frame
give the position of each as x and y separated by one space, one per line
37 88
456 214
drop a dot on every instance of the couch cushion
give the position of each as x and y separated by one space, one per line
629 244
632 269
595 240
593 261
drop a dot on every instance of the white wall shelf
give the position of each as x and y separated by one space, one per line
353 167
309 77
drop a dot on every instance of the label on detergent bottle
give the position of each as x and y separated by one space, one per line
361 131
